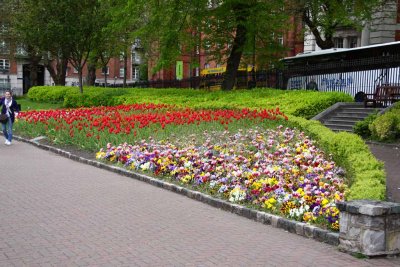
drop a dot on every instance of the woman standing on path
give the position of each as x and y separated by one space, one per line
9 107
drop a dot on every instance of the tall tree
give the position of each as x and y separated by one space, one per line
225 28
324 17
60 31
40 26
126 17
85 23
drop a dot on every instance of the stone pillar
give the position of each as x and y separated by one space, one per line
371 228
346 42
365 35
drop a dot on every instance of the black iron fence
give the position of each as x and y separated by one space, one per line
212 82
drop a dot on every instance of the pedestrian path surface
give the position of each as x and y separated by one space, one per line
59 212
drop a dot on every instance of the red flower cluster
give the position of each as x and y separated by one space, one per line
129 118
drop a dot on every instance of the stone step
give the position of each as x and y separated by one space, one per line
339 121
344 116
339 127
351 114
348 117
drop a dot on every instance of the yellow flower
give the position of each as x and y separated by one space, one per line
272 181
324 202
256 185
300 191
308 216
187 178
270 203
100 155
335 226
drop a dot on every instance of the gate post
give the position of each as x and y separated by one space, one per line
371 228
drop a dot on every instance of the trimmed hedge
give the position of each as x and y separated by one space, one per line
49 94
301 103
367 178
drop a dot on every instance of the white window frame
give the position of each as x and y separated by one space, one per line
4 65
135 73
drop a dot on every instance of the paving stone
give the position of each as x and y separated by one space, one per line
58 212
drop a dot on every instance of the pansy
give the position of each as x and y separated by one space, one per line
291 175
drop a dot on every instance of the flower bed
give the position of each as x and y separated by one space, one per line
231 154
280 170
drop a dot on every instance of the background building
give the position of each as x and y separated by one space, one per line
384 28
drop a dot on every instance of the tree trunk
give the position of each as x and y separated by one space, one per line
91 74
33 74
105 76
80 80
323 44
58 71
234 58
241 11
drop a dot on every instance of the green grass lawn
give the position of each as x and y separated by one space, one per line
27 104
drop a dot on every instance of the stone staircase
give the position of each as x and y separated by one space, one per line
343 116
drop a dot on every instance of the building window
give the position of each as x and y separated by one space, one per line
338 42
352 42
280 39
4 65
121 72
75 70
4 48
105 70
206 66
135 73
197 72
21 51
4 84
135 57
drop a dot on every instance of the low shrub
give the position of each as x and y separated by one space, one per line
49 94
92 97
386 127
362 127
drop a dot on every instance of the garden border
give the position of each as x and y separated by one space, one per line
299 228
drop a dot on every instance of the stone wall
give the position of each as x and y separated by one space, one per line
371 228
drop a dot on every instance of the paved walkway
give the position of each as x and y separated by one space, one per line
58 212
390 155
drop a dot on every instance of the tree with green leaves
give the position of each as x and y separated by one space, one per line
40 27
86 23
58 32
324 17
226 29
126 20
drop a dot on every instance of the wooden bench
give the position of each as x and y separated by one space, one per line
385 95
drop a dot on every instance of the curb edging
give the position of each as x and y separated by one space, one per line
299 228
